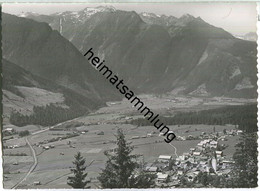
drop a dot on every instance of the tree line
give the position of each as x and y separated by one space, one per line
52 114
45 115
244 116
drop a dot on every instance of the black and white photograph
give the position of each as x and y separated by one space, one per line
129 95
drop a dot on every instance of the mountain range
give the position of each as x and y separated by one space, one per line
162 53
151 53
39 61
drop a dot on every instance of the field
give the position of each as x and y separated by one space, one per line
96 135
52 164
34 97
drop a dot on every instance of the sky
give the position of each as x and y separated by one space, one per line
236 18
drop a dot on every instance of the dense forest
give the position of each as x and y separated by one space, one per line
52 114
46 115
245 116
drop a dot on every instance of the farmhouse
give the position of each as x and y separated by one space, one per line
162 177
180 172
196 153
10 130
219 153
46 147
151 169
192 150
186 154
36 183
213 144
200 146
164 158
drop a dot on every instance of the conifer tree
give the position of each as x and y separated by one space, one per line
120 168
78 179
246 161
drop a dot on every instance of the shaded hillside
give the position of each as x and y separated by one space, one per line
15 77
37 48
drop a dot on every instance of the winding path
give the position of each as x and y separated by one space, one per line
32 167
33 151
175 152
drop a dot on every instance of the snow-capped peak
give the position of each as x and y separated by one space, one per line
89 11
27 14
145 14
82 15
99 9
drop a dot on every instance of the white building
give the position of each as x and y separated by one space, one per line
151 169
213 144
219 153
196 153
165 158
162 177
8 129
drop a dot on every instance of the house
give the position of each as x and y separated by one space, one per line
36 183
190 137
202 158
190 176
200 146
46 147
180 172
191 160
181 157
230 133
213 144
135 137
228 162
180 138
192 150
196 153
219 153
174 177
161 134
151 169
165 158
162 177
9 129
203 163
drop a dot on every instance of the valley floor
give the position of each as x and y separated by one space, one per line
55 147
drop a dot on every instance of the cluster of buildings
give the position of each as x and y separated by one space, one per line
212 135
207 156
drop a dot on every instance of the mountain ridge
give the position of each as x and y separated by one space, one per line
161 58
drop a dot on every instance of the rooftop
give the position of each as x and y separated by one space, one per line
166 157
